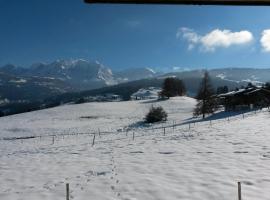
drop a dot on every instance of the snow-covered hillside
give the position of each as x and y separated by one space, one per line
191 161
89 117
146 93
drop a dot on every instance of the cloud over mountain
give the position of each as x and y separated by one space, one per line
214 39
265 40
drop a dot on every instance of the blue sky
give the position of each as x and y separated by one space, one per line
125 36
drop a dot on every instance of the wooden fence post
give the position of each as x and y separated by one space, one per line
164 131
133 136
53 139
239 191
99 132
93 143
67 191
189 126
243 115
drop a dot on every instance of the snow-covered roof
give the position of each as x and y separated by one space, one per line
147 92
253 91
241 91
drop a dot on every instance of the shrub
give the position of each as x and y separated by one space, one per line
156 114
80 100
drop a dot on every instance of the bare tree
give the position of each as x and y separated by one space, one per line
205 97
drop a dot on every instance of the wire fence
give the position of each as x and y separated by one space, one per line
163 129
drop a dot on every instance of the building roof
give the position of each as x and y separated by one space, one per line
147 92
245 91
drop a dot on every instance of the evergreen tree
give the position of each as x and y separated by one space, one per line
250 85
206 100
267 85
173 87
156 114
222 89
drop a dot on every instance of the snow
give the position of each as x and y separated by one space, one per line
222 76
203 162
18 81
146 93
232 93
151 70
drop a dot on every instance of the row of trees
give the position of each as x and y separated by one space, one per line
172 87
206 96
207 103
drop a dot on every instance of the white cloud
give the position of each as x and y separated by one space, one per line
188 34
225 38
176 68
265 40
214 39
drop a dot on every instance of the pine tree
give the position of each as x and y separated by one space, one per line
206 100
222 89
173 87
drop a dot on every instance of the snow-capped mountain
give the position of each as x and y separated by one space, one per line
61 76
237 75
254 75
134 74
16 88
80 73
46 80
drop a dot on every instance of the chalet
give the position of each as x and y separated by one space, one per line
112 97
247 98
146 93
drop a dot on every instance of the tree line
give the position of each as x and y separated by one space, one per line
206 100
207 97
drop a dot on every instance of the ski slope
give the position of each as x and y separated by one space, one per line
191 162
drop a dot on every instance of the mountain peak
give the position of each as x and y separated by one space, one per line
151 70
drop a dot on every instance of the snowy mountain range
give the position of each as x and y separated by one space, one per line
80 74
135 74
237 75
46 80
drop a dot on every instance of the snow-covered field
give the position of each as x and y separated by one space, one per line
203 162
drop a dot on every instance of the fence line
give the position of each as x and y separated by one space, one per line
151 131
162 129
239 193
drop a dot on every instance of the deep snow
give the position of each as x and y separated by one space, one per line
204 161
